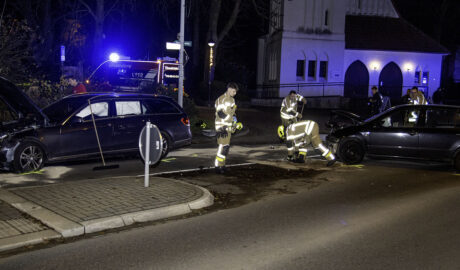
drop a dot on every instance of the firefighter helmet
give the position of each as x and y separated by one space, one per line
281 132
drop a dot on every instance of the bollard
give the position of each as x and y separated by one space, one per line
147 154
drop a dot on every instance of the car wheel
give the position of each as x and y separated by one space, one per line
457 162
166 144
28 157
351 151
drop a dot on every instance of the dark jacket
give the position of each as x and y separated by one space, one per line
375 103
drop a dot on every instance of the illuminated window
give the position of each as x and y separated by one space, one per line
425 77
311 69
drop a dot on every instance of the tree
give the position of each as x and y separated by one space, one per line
16 49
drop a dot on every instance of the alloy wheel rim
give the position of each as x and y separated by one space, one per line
165 145
353 152
31 158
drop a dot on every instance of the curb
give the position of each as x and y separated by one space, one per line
67 228
27 239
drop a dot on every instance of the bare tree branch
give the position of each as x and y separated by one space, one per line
230 22
90 10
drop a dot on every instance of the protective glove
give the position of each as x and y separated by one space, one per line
221 114
239 126
299 116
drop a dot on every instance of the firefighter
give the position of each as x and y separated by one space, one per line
289 112
417 97
299 135
225 124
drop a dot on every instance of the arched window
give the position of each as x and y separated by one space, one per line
418 75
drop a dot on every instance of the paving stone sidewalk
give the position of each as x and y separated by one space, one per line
13 222
80 207
92 199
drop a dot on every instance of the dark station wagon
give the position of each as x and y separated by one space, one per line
424 132
29 137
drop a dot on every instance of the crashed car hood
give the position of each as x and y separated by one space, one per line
349 115
340 119
19 101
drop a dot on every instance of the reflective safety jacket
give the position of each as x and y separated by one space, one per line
418 100
225 110
289 107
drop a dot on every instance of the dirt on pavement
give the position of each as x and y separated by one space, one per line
245 184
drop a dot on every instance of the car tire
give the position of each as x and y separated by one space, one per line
351 151
29 156
457 162
166 144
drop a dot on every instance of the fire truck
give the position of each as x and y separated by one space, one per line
134 75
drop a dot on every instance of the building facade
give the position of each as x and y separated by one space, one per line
343 48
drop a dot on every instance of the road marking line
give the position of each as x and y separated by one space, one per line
168 159
33 172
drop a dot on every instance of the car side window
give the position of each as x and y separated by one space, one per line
401 118
440 118
100 109
128 108
153 106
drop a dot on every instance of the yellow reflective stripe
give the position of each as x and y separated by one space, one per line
300 124
310 128
303 153
293 137
220 159
322 147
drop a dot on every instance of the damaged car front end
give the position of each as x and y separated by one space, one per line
21 119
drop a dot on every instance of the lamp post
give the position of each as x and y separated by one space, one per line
211 45
181 54
113 57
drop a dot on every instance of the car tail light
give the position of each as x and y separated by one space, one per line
185 121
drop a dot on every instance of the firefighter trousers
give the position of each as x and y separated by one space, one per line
222 149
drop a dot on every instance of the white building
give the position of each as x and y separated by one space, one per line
343 48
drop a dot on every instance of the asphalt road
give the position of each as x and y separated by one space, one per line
378 216
182 159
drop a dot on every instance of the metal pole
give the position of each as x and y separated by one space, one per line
147 154
181 53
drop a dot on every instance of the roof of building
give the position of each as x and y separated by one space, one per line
387 34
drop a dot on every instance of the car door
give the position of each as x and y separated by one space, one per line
128 124
78 136
440 133
395 133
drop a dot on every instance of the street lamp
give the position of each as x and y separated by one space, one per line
211 45
113 57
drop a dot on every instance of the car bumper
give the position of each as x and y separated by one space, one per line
7 154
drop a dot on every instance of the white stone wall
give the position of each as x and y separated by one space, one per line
310 15
299 47
408 62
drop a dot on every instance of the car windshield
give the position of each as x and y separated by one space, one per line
62 109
